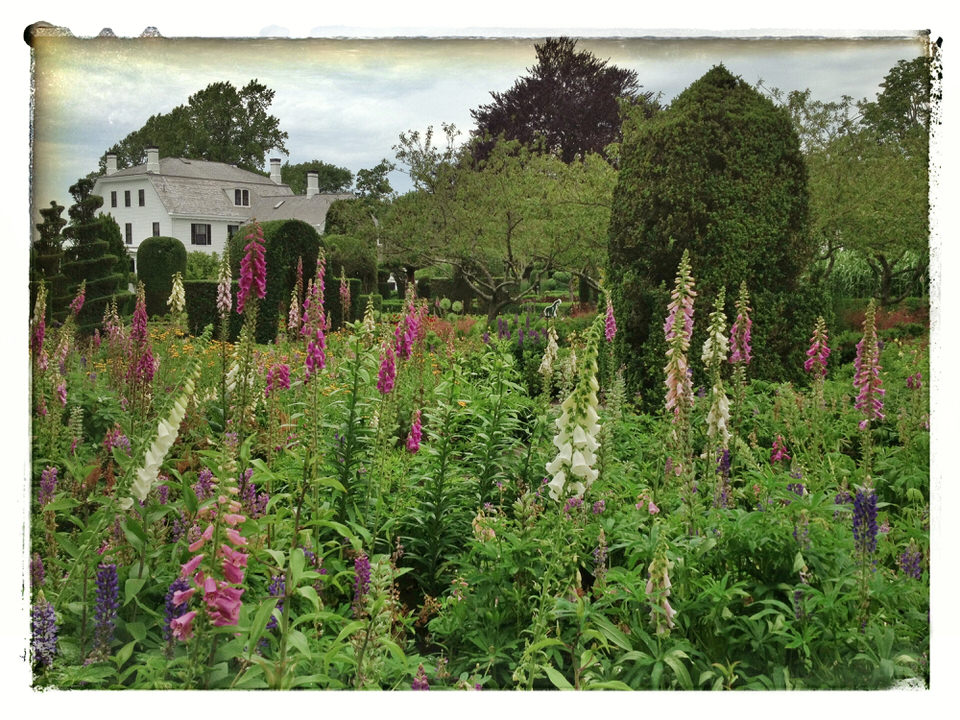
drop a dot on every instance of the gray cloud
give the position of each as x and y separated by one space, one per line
346 101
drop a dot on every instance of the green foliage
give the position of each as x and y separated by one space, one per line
201 307
569 104
219 123
719 173
330 178
92 258
502 223
202 266
356 256
285 243
158 259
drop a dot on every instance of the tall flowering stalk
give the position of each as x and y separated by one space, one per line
177 302
816 362
344 296
678 330
658 591
107 606
43 632
220 554
866 380
167 430
718 417
610 322
865 532
296 297
740 348
549 360
388 371
578 428
224 306
76 305
416 433
252 287
142 366
314 322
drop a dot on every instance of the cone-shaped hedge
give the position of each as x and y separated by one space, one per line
720 173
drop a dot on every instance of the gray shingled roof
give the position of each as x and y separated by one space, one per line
310 209
200 169
201 188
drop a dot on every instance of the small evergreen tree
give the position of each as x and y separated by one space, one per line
90 257
46 252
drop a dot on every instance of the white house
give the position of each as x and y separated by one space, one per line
201 203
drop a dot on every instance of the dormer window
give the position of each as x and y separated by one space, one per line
241 197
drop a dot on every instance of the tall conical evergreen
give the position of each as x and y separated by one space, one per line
91 257
46 253
719 173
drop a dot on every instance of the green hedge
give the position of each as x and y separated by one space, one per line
201 301
285 242
158 258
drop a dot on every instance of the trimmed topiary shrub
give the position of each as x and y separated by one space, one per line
720 173
285 243
158 259
92 258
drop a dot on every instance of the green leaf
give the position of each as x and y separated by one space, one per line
137 630
298 640
310 593
131 587
124 653
259 623
557 678
297 562
611 632
278 557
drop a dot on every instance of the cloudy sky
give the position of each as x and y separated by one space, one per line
345 101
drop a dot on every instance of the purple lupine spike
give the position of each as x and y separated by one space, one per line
865 527
43 632
108 603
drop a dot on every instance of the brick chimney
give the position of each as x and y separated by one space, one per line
275 171
153 160
111 164
313 183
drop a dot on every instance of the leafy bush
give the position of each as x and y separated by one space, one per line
158 259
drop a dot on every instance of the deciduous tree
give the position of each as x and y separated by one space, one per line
569 101
219 123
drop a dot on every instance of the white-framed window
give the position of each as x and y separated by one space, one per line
113 198
241 197
200 234
156 229
126 198
141 197
231 230
128 233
